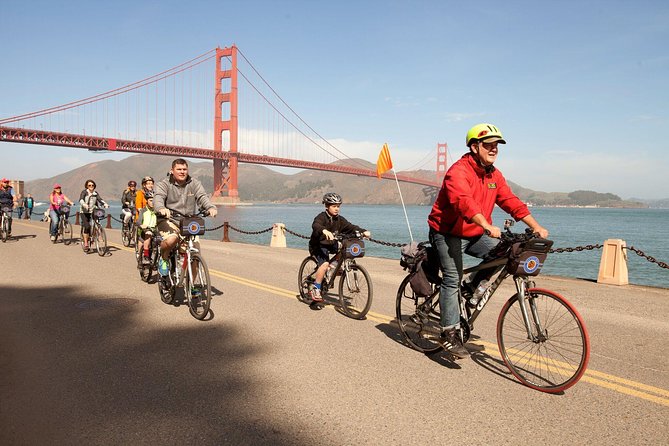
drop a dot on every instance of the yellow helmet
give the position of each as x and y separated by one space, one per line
484 132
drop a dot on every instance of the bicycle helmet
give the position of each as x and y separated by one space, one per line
132 183
331 198
148 195
146 179
484 132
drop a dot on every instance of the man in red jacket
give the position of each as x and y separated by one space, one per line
461 216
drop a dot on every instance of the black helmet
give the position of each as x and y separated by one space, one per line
331 198
148 195
145 179
132 183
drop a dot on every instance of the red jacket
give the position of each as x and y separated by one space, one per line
468 190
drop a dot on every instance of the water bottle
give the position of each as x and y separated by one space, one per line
478 293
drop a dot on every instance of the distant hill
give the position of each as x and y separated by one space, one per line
260 184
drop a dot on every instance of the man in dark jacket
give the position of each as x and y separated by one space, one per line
461 220
322 243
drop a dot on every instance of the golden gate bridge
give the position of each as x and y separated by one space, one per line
171 113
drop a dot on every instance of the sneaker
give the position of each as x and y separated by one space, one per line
315 295
450 340
146 260
163 267
53 238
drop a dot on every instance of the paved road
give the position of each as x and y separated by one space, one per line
90 355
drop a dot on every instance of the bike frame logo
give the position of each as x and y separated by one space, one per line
531 264
355 250
193 227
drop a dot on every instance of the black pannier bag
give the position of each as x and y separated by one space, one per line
527 258
422 262
192 226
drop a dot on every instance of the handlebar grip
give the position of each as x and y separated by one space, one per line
487 232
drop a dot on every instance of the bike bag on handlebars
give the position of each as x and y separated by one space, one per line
527 258
64 209
192 226
99 213
354 248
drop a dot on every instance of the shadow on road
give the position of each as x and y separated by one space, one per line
81 368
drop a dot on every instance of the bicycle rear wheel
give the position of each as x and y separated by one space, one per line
66 230
198 292
125 235
305 278
557 356
355 291
418 318
100 240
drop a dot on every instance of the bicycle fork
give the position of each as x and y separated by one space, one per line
535 331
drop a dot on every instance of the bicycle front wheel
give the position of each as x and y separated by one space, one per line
418 318
198 290
556 354
66 232
100 241
305 278
4 229
355 291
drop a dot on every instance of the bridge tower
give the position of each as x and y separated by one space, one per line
442 163
225 171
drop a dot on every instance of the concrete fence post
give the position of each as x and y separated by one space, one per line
278 236
613 266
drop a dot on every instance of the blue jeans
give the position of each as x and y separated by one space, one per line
450 249
53 229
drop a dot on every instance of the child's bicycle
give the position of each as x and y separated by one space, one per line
355 285
187 268
541 337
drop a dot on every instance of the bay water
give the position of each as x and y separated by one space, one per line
644 229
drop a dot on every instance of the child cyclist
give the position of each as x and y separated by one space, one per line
147 225
322 243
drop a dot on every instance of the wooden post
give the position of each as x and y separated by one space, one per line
76 222
225 231
108 222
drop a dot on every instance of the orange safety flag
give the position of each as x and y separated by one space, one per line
384 164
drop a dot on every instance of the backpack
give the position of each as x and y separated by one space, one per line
422 262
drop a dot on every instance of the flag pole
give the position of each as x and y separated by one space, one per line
403 206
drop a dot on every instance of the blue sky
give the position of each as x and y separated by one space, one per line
579 88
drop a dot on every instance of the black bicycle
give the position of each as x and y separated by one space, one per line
146 269
6 212
64 231
541 336
129 230
98 235
187 268
355 285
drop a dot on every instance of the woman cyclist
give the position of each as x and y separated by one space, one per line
57 198
89 200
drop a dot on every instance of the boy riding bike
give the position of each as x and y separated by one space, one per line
147 220
322 242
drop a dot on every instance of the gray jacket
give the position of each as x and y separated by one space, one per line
186 199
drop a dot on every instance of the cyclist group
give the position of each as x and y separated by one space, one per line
460 220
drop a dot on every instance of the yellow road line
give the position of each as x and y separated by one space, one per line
601 379
622 385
